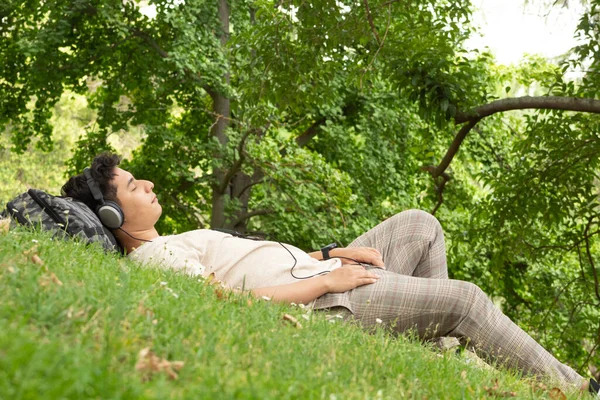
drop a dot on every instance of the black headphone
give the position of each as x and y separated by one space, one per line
109 212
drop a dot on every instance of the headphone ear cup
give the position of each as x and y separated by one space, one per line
111 215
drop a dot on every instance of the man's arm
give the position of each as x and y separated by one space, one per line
339 280
303 291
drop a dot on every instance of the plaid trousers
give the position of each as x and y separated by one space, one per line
414 293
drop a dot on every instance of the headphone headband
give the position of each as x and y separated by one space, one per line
91 182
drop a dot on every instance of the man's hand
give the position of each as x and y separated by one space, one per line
348 277
367 255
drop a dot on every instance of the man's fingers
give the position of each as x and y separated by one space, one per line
361 272
378 262
371 275
367 281
374 250
373 256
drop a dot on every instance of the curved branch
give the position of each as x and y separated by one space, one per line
528 102
186 184
555 302
311 132
453 149
591 352
440 190
473 116
371 23
590 258
387 28
237 165
252 183
151 42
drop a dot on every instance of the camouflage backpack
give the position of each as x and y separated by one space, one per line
60 214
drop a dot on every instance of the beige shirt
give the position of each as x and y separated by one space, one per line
237 262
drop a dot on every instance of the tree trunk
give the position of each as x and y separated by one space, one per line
240 189
222 112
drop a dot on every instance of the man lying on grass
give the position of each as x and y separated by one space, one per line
394 274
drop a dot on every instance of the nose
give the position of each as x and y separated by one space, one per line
149 186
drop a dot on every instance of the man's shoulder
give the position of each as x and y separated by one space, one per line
192 238
176 252
165 245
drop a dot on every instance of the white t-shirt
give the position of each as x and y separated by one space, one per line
237 262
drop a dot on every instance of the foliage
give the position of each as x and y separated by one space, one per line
532 235
281 68
19 172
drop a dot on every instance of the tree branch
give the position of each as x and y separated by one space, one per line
311 132
370 19
236 165
186 184
249 185
592 351
581 267
439 185
387 28
453 149
150 40
306 136
473 116
528 102
590 258
555 302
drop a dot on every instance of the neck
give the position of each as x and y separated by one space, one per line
136 238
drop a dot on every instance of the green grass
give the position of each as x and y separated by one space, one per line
81 339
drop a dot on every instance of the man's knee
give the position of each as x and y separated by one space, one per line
414 216
472 290
472 295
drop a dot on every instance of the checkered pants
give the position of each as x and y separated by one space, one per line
414 293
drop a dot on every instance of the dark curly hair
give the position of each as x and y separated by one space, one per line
102 170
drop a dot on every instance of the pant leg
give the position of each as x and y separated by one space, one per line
443 307
411 243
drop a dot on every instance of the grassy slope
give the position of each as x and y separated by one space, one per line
81 339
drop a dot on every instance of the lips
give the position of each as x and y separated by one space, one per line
154 199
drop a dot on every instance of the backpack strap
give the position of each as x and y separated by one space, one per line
49 211
14 213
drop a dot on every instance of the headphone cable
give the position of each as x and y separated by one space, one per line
242 236
133 237
296 262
